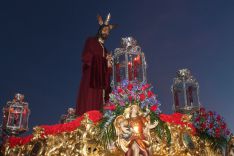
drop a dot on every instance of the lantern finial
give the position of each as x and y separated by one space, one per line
19 97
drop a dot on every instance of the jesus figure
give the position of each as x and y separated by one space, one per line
96 71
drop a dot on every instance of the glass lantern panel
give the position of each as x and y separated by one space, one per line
25 116
179 88
176 99
14 117
137 68
191 92
120 72
190 97
130 67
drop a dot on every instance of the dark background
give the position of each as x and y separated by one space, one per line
41 43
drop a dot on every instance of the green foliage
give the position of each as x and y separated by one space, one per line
216 143
161 129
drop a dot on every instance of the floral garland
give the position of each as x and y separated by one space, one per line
94 115
211 126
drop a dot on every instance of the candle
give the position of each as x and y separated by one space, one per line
138 59
130 71
135 67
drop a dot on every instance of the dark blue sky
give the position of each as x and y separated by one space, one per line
41 43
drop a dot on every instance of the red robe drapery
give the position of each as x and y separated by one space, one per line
95 78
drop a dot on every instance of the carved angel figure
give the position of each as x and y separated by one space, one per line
133 131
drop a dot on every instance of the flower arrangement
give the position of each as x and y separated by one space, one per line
128 93
124 95
211 126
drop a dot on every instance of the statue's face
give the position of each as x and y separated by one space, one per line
105 32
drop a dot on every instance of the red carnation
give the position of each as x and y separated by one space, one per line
120 90
149 94
142 97
210 113
203 125
211 125
130 98
202 110
112 107
218 117
154 108
223 126
217 135
144 87
217 130
130 86
197 119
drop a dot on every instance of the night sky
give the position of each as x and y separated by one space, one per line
41 44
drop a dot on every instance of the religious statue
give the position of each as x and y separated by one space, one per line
133 131
96 70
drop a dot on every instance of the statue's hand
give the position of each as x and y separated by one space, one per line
109 60
109 57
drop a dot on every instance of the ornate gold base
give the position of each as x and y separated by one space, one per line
84 142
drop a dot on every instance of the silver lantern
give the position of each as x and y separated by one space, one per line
129 62
185 91
70 116
15 116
